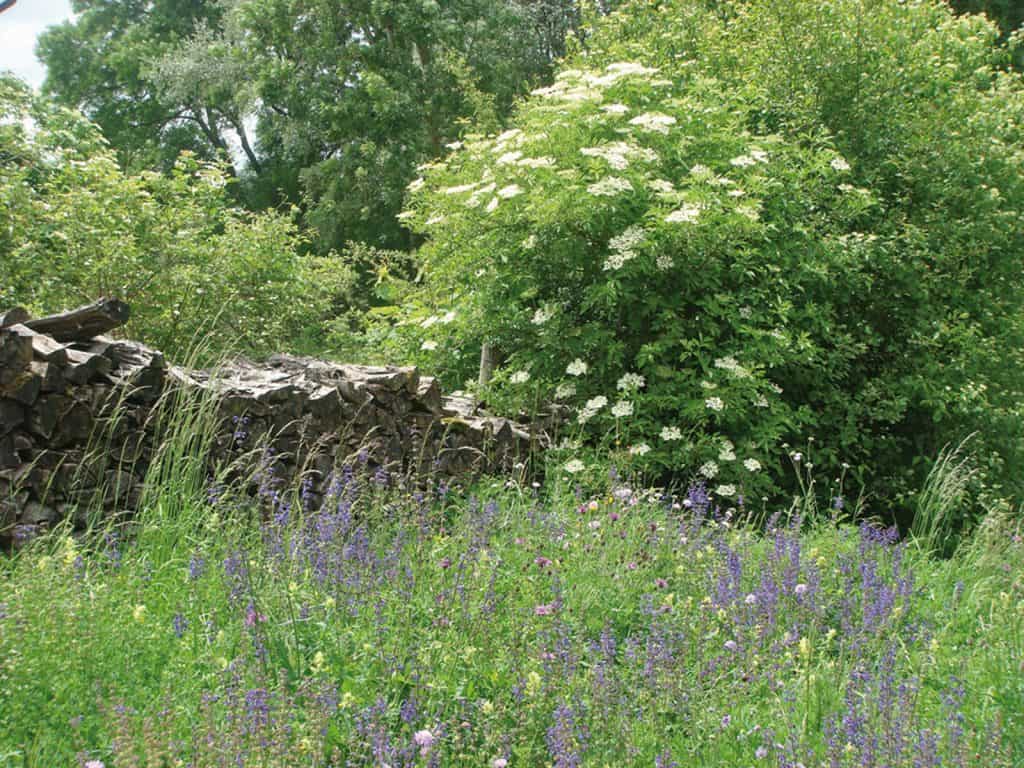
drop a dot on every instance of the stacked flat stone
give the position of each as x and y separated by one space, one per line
78 420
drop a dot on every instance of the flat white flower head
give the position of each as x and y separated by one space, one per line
519 377
752 465
708 469
428 346
622 409
577 368
686 214
671 434
640 449
714 404
839 164
575 466
726 490
631 381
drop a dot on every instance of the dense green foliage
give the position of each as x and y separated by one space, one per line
518 628
329 103
74 227
750 224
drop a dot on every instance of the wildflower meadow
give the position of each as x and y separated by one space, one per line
509 624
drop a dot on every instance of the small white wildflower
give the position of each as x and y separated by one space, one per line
519 377
624 68
631 381
664 262
839 164
406 215
708 469
700 170
760 401
726 490
736 193
428 346
622 409
596 403
577 368
714 403
759 155
640 449
542 315
435 220
752 465
429 321
454 145
510 191
492 206
610 186
687 214
671 433
743 161
416 185
448 317
749 211
509 157
615 109
661 186
746 312
653 121
728 453
530 242
575 466
565 391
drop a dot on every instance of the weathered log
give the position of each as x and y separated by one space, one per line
84 322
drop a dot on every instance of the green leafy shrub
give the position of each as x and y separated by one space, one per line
74 227
745 226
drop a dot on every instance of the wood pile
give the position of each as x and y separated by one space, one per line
78 415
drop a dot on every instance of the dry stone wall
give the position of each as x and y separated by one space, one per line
78 421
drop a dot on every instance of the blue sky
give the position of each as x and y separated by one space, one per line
19 28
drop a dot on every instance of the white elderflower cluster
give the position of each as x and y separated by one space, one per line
512 190
477 197
622 409
428 346
543 314
670 434
623 247
575 466
640 449
619 153
565 391
615 109
661 186
416 185
743 161
459 189
731 365
519 377
760 401
714 404
653 121
708 469
839 164
664 262
687 214
726 490
590 409
610 186
577 368
509 157
631 381
752 465
728 452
